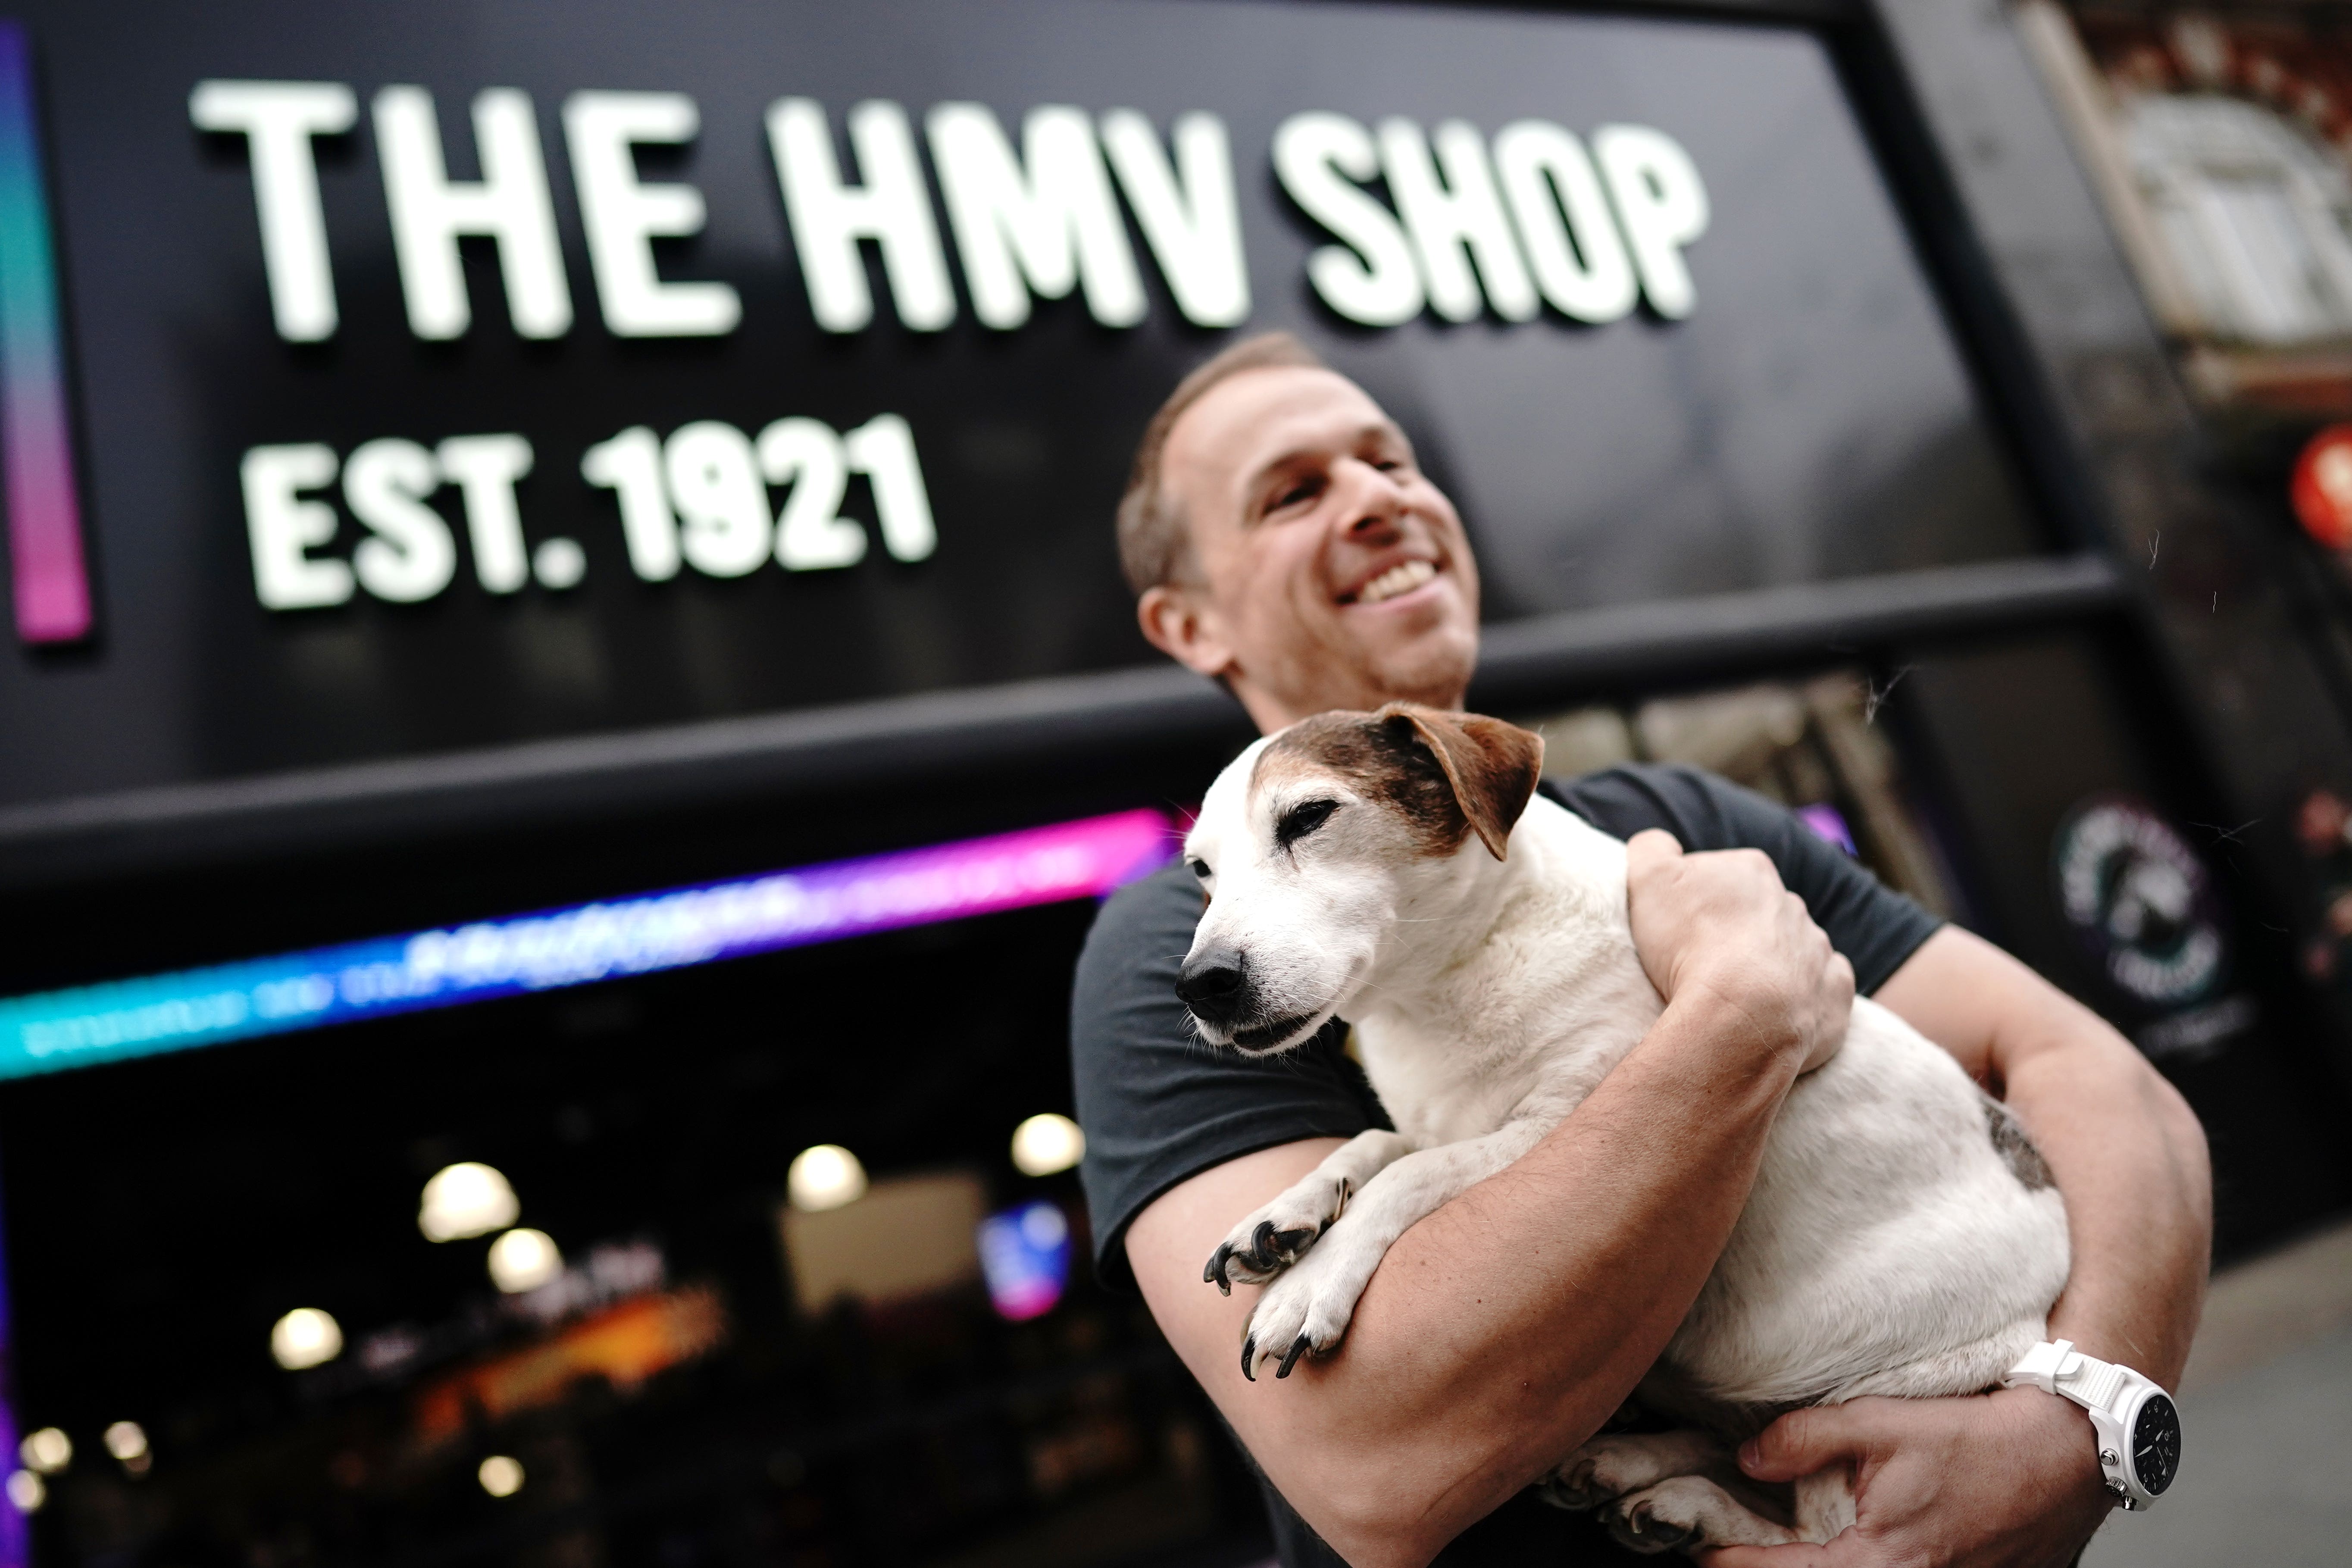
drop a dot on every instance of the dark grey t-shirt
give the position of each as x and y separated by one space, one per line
1158 1106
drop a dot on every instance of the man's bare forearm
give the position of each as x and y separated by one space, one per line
1501 1331
2125 1150
2130 1158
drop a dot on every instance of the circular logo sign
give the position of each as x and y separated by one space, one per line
2321 488
2141 900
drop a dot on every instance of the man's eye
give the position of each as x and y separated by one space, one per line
1302 491
1200 869
1301 820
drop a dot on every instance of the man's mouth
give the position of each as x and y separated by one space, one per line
1402 578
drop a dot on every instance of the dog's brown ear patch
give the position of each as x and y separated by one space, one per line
1492 766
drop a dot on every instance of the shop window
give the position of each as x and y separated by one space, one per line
2253 213
1812 745
2222 150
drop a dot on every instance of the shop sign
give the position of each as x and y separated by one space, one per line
2142 902
491 375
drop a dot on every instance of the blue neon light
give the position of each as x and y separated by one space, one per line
574 947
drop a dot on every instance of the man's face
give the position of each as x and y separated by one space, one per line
1328 572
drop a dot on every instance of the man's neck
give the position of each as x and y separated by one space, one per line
1271 713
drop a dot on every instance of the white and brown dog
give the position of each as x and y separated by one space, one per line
1397 868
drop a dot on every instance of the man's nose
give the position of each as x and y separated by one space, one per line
1375 502
1212 983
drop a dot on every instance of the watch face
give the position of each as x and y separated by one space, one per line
2156 1443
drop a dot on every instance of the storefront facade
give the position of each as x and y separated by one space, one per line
566 620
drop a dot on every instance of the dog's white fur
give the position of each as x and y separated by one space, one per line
1888 1246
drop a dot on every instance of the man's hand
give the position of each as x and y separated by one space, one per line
1721 924
1996 1480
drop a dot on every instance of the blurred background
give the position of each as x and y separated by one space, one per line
570 702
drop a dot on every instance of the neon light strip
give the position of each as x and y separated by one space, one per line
575 946
45 550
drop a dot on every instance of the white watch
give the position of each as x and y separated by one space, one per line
2137 1423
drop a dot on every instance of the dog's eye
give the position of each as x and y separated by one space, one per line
1303 819
1200 868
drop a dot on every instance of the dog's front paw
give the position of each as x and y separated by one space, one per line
1611 1466
1305 1310
1686 1513
1660 1519
1278 1235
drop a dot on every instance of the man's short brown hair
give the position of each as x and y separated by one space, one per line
1153 543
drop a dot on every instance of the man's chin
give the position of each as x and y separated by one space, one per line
1434 669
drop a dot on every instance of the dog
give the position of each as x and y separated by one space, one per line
1398 869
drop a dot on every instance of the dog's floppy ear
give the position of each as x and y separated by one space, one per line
1493 766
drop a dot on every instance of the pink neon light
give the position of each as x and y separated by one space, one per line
1011 870
52 590
44 546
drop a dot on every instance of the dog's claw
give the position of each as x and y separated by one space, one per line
1573 1489
1291 1360
1249 1358
1262 1254
1215 1274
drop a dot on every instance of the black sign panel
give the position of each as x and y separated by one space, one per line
474 371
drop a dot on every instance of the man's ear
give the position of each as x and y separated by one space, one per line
1177 624
1493 766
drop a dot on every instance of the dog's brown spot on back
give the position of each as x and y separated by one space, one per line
2016 1150
1379 761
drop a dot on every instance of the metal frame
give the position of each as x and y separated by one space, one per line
942 734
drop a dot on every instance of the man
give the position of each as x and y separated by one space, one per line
1282 541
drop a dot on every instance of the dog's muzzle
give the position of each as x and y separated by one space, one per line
1215 983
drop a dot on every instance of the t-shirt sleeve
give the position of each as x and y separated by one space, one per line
1158 1104
1876 926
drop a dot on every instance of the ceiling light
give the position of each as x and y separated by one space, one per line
1045 1144
465 1200
126 1440
26 1490
523 1261
306 1337
47 1450
500 1475
824 1177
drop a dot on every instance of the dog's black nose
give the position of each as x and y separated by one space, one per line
1212 984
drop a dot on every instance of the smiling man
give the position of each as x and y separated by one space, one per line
1281 538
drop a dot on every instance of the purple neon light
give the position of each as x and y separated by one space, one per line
45 544
1828 824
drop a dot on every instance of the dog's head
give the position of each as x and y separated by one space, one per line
1317 840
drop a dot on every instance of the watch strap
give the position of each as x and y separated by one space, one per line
2057 1367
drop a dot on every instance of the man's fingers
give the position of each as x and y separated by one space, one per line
1796 1554
1805 1441
1651 847
1849 1549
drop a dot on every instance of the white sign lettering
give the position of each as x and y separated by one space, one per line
510 204
700 499
1468 226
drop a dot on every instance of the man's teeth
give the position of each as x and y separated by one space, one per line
1402 578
